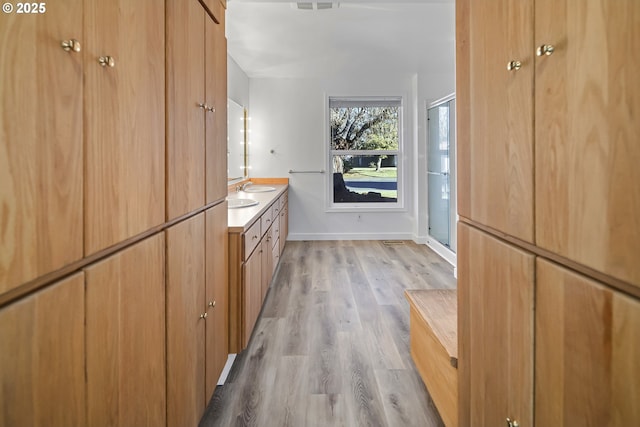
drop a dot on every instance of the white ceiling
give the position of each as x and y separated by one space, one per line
274 39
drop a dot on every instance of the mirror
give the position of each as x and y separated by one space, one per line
236 141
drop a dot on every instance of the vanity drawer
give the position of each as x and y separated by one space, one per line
252 238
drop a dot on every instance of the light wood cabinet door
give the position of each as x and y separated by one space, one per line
587 351
496 355
216 121
217 291
266 249
186 105
186 322
41 148
252 293
124 121
42 361
497 161
125 337
587 131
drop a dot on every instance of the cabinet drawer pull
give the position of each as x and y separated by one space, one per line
72 45
107 61
212 303
514 65
545 49
203 315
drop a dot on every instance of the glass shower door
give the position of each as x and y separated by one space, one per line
439 173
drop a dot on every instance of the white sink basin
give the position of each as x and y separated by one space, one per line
258 189
241 203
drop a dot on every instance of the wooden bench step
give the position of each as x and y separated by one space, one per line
434 346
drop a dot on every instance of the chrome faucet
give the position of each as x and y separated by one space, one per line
244 186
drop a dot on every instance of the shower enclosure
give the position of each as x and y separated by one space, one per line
441 175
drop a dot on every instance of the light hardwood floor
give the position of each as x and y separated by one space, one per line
331 346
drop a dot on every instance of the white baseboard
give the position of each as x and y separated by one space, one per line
446 253
227 368
350 236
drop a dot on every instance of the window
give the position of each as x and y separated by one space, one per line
365 152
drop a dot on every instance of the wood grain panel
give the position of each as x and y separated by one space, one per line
185 119
463 111
500 147
124 121
464 333
42 361
266 271
217 292
587 131
284 220
185 327
587 351
216 121
40 143
251 294
434 347
125 337
498 279
236 297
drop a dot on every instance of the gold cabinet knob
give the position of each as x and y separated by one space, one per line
545 49
203 106
107 61
514 65
72 45
212 303
204 315
210 109
513 423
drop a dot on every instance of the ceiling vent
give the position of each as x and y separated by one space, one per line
315 5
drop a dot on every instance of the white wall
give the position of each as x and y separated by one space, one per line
288 117
237 84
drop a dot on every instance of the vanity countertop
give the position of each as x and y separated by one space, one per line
241 219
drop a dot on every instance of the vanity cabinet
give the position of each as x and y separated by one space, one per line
196 125
547 160
254 253
42 361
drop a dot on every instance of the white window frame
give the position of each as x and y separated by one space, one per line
329 153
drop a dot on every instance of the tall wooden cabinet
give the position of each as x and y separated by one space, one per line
548 159
587 351
91 177
41 145
196 102
125 330
197 338
124 133
500 340
217 294
42 364
187 106
186 317
216 90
